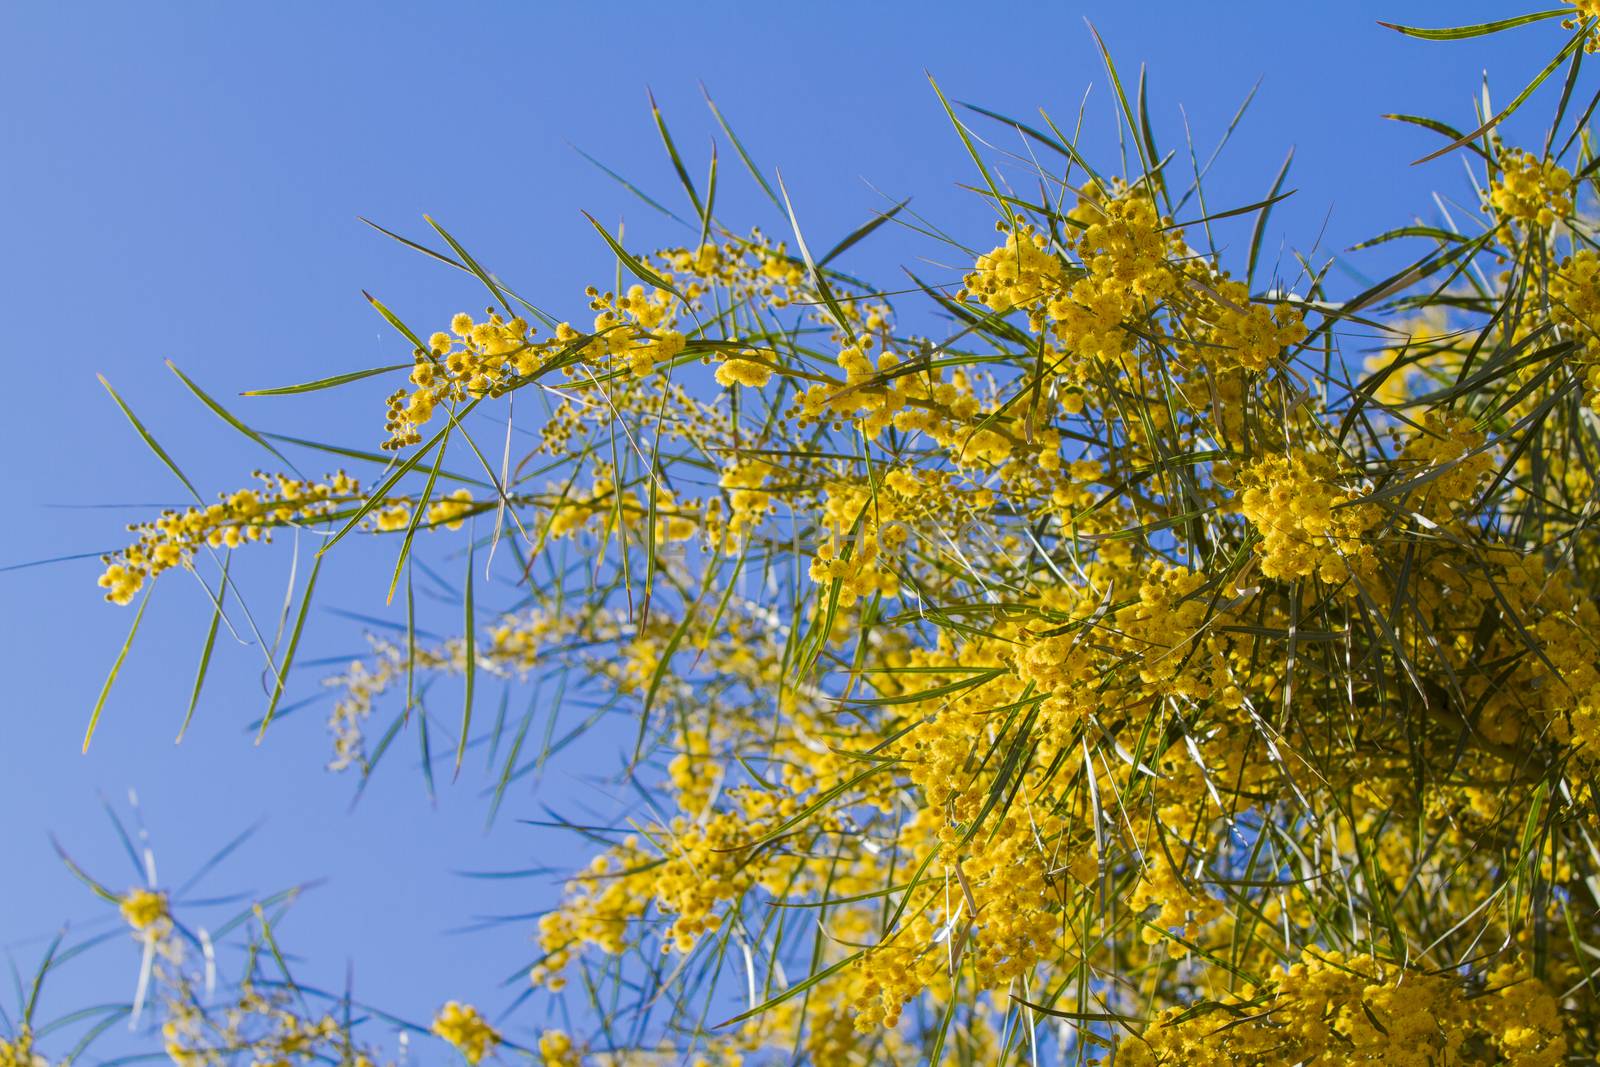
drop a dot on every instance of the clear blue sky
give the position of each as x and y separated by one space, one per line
182 181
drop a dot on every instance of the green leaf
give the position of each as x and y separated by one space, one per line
795 990
511 757
1506 112
711 196
224 414
38 977
738 146
205 651
144 434
1260 229
639 270
634 189
470 665
966 139
294 643
472 265
393 320
834 310
1146 160
860 232
416 518
83 876
105 690
533 309
327 383
672 153
1460 33
381 493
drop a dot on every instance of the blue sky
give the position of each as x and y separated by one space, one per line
183 180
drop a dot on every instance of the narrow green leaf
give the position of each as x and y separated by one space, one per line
634 189
834 310
381 493
796 989
549 322
294 642
416 518
411 645
38 977
327 383
205 651
224 414
105 690
738 146
82 875
1260 229
638 269
472 265
711 196
470 665
1146 161
966 139
672 153
393 320
511 756
144 434
1522 97
861 232
1459 33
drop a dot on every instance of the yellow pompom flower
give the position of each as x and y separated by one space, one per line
1587 9
557 1050
462 1026
1530 190
394 517
144 909
18 1051
450 511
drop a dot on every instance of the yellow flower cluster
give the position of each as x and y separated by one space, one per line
205 1024
1575 306
238 518
1447 458
601 901
1128 262
18 1051
1021 273
1130 255
1533 191
696 869
462 1026
474 359
636 329
262 1025
1239 333
748 502
1587 9
706 866
1308 524
450 512
1330 1007
1182 906
145 910
747 367
1585 726
557 1049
